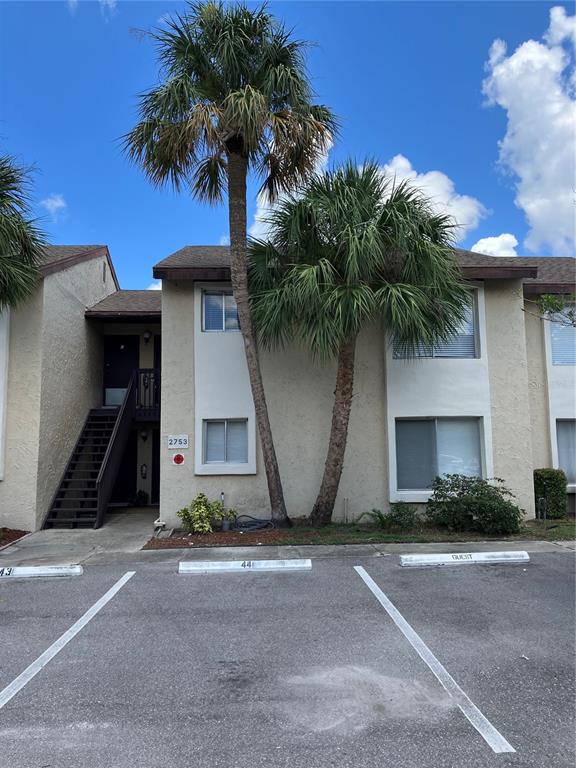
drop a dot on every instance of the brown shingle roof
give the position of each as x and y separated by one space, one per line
60 257
553 274
133 304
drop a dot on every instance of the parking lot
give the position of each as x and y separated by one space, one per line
305 669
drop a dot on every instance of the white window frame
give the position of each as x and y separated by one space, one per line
205 423
421 495
476 335
570 487
561 390
217 292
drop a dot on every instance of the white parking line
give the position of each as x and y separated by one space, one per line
491 736
16 685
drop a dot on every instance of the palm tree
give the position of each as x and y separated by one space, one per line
21 242
235 98
352 247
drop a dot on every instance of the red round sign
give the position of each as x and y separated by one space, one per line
178 458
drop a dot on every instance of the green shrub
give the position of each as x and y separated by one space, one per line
550 485
200 516
464 503
401 515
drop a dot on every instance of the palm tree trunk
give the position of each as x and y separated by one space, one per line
237 172
324 506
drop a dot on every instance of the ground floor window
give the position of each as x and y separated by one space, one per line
226 441
426 448
566 435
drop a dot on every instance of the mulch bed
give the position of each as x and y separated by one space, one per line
218 539
10 535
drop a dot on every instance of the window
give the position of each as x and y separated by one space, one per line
566 436
462 345
426 448
219 311
563 343
226 441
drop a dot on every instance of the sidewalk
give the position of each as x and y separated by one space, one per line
125 533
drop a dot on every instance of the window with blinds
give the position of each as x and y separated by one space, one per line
219 312
226 441
462 345
563 338
427 448
566 436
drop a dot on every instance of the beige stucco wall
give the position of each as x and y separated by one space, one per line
300 424
300 396
537 387
55 369
18 488
509 390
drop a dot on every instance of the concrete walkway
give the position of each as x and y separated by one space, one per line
124 533
121 540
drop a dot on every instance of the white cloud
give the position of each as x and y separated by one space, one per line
502 245
224 240
72 5
55 204
467 211
440 189
533 86
260 227
155 286
108 5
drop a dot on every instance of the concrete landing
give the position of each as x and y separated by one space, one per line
123 533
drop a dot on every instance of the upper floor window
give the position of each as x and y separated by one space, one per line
566 435
462 345
219 312
563 336
428 448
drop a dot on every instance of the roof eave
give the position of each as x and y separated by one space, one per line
538 289
77 258
216 274
499 273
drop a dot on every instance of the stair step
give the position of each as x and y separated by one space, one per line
66 495
72 510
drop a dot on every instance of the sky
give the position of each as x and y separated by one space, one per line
473 101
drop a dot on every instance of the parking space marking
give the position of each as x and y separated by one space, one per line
491 736
31 671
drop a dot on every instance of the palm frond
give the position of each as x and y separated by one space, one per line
22 242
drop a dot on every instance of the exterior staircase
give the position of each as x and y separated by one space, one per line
75 504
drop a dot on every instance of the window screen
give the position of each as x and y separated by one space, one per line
566 435
226 441
426 448
462 345
563 343
219 311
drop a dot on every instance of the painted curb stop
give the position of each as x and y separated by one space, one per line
464 558
243 566
39 571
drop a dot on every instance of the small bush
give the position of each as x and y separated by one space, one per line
200 516
464 503
401 515
550 484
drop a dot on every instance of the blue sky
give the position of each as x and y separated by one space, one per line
405 78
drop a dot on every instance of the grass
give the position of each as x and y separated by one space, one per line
338 533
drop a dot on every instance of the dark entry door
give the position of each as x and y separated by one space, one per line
157 351
125 486
155 489
121 357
